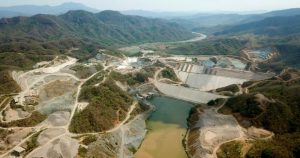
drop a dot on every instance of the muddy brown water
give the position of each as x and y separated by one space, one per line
167 127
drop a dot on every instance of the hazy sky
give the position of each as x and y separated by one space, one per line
171 5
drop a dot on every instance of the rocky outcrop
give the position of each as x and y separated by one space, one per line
207 130
122 143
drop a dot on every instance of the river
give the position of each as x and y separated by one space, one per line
167 127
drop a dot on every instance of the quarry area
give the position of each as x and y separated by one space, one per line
37 122
210 130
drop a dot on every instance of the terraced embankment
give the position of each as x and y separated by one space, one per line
207 78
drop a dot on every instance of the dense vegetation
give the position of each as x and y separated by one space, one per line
133 78
288 55
87 140
208 23
246 105
34 119
107 27
230 150
214 46
169 73
281 146
7 84
231 88
280 114
95 79
83 71
25 41
108 105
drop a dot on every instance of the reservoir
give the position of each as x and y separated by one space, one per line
166 129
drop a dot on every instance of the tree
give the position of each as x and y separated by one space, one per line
211 103
267 153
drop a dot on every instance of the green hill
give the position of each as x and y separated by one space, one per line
276 108
36 38
25 41
108 28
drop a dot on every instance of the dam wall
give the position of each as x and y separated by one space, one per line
205 82
210 78
233 73
187 94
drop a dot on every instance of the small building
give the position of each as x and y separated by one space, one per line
18 151
147 96
139 96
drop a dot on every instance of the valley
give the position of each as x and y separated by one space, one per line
67 105
80 84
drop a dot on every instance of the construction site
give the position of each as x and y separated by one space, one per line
51 97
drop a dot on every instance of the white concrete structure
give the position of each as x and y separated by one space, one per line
206 79
205 82
187 94
126 64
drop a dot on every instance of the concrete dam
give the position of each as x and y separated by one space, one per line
210 78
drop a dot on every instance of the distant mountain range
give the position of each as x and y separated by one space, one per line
27 40
29 10
107 27
273 26
154 14
199 21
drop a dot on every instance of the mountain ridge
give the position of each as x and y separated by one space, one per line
272 26
36 38
30 10
130 29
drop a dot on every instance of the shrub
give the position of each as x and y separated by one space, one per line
169 73
212 103
89 139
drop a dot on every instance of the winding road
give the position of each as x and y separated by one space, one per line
56 70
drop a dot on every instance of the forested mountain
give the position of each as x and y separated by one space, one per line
29 10
285 12
274 105
216 22
154 14
107 27
26 40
